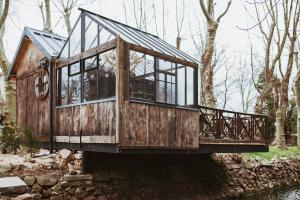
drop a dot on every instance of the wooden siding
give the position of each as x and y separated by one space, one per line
149 125
93 119
31 112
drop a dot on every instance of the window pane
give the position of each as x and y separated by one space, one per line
141 76
91 33
65 51
160 94
105 36
75 40
107 76
63 86
181 86
74 88
90 63
74 68
90 85
166 65
190 86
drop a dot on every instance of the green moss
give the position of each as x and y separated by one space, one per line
275 152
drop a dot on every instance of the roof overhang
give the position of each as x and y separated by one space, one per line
28 35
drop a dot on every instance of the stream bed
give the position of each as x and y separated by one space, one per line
292 193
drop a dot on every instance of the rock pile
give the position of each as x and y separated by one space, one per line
254 176
69 161
51 187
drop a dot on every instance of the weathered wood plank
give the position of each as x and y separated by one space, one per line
43 117
98 49
31 106
21 103
161 55
106 119
86 139
187 128
136 125
159 126
94 119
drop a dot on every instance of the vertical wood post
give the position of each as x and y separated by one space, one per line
122 87
51 96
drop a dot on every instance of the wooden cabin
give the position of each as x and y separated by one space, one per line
109 87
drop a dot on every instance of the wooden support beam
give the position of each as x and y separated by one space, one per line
122 76
161 55
98 49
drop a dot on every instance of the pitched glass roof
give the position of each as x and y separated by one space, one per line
135 36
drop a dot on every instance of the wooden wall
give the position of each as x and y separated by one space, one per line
31 111
149 125
93 119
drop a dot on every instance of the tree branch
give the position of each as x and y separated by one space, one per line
4 14
208 18
225 11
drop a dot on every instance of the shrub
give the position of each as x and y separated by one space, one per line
30 141
9 138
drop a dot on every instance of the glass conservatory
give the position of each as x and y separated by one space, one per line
132 91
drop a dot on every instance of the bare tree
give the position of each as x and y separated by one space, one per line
65 8
206 74
180 12
279 32
245 85
4 6
44 6
297 97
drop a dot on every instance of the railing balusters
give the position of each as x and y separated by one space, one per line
219 124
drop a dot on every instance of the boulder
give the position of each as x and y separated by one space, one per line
36 188
56 188
65 154
90 198
29 180
101 198
46 180
5 168
78 156
28 197
12 185
77 177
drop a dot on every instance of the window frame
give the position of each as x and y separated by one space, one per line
157 71
82 71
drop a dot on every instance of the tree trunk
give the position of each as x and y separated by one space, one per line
178 42
207 97
10 86
280 119
48 16
67 15
3 58
297 97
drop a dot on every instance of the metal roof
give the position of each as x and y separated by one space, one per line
48 43
138 37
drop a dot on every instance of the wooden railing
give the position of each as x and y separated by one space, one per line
216 125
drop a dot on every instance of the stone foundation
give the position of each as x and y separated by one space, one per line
188 177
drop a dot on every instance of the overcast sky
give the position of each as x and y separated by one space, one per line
26 13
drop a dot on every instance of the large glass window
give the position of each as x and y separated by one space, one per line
158 80
166 82
107 76
142 76
90 79
63 79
